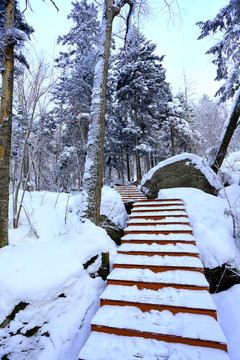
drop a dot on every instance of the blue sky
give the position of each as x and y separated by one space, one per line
177 40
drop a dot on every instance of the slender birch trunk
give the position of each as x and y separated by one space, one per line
6 121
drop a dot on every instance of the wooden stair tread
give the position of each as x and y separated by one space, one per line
181 277
157 249
181 325
194 299
102 346
156 260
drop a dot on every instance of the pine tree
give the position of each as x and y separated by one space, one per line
72 94
179 132
226 58
142 93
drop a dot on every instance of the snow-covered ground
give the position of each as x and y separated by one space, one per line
46 273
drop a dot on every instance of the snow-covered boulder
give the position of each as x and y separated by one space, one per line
113 215
184 170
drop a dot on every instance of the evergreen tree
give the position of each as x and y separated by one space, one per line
142 93
178 131
226 58
72 94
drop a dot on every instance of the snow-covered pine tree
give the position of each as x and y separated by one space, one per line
179 132
93 175
209 119
94 161
72 94
226 57
142 93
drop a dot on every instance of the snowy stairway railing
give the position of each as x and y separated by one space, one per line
156 304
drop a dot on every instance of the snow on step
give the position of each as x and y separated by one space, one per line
158 237
156 260
180 277
158 208
102 346
167 220
198 299
184 325
173 227
171 248
159 202
156 213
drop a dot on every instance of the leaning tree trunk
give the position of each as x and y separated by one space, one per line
229 128
6 121
92 180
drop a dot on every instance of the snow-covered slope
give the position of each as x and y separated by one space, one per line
45 274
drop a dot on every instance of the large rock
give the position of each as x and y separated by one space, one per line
115 232
184 170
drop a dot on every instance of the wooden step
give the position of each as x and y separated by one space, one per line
185 328
161 250
158 204
140 222
158 263
102 346
159 209
128 230
145 278
167 298
160 239
153 253
155 216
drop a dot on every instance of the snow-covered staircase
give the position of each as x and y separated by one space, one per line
156 304
130 193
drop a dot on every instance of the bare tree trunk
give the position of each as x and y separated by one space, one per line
128 168
229 128
172 141
6 121
148 161
138 163
92 180
122 167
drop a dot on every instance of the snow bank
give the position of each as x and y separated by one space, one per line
228 310
46 273
113 208
231 168
211 227
199 164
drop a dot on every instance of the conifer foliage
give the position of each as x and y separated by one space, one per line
226 50
142 94
226 58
